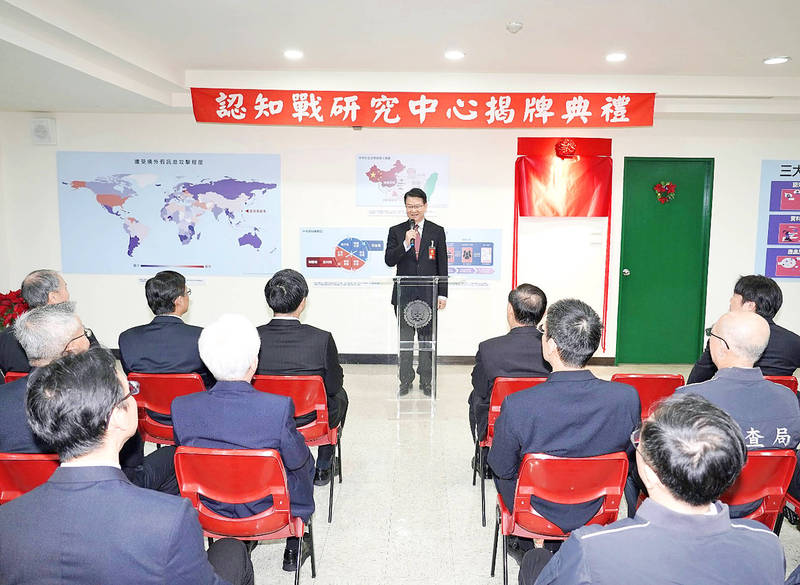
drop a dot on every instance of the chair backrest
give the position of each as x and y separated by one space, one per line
651 387
11 376
156 393
501 388
570 480
21 472
308 395
789 381
766 477
234 476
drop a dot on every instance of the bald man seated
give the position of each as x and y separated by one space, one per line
768 413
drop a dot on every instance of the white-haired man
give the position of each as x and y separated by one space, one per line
234 415
48 333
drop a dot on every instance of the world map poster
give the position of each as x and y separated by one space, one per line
199 214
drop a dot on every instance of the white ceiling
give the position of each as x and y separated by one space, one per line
90 55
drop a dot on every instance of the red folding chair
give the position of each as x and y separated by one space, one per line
156 393
236 476
21 472
501 388
560 480
12 376
650 387
789 381
308 395
765 477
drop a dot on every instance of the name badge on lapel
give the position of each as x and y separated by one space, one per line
431 252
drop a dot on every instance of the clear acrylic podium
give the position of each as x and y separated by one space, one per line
417 300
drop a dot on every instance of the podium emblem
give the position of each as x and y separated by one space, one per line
417 313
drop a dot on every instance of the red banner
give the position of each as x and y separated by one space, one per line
422 110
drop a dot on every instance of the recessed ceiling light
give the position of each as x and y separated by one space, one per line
514 27
293 54
616 57
777 60
454 54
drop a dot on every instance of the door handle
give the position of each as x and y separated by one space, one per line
626 272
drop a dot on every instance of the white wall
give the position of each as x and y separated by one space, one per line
318 189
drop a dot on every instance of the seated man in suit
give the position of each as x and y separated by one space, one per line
47 333
40 288
517 354
760 295
290 348
572 414
166 345
768 413
689 452
234 415
87 523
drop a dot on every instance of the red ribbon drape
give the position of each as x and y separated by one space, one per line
579 186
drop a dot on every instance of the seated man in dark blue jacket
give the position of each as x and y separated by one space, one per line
688 453
166 345
761 295
87 523
572 414
234 415
292 348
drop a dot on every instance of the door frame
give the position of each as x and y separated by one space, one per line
705 236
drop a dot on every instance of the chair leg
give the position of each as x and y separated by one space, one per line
339 459
494 548
330 504
313 555
210 541
778 524
299 561
483 488
475 459
505 560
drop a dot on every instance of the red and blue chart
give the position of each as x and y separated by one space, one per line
343 252
349 254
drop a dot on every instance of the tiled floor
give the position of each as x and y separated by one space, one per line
406 512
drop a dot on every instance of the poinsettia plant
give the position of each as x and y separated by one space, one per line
12 305
665 191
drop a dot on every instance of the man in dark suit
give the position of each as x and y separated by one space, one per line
291 348
572 414
234 415
517 354
761 295
87 523
166 345
47 333
39 288
418 248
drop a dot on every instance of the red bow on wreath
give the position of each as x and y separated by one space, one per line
665 191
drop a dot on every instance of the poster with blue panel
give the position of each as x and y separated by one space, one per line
778 243
200 214
344 253
474 253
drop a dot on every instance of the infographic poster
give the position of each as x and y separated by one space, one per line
383 179
474 253
778 254
343 253
141 212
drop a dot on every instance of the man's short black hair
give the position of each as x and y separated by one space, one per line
70 401
576 329
416 192
695 448
763 291
528 303
162 290
285 291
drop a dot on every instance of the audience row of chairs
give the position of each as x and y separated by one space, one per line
765 477
223 475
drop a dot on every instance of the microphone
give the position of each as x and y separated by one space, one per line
412 225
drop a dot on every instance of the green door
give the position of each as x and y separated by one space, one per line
663 260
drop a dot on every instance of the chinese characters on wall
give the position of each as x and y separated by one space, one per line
433 110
